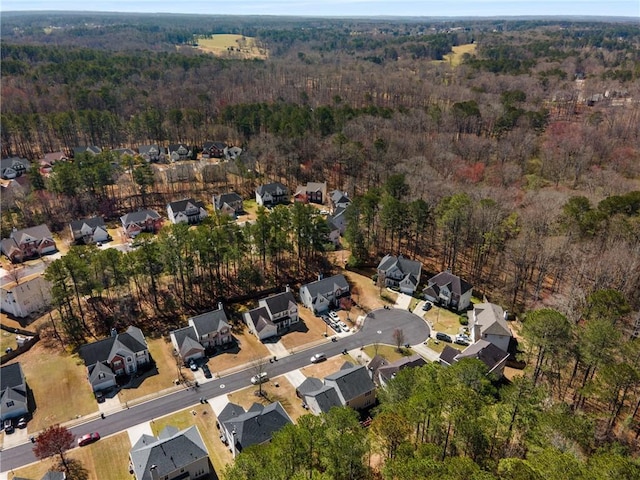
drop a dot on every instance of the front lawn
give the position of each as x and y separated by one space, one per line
443 320
390 353
439 346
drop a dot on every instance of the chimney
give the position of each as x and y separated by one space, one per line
114 332
219 305
287 288
154 472
477 334
319 276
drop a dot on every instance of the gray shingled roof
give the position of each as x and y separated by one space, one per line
388 371
39 232
139 216
258 425
338 196
351 382
280 302
169 452
310 384
326 397
260 318
405 265
146 149
228 198
325 285
94 223
270 188
456 284
449 354
490 318
99 351
181 205
209 322
486 352
229 412
12 384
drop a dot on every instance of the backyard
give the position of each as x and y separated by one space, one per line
443 320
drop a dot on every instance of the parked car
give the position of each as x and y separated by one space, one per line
22 422
326 320
427 306
260 378
88 438
8 426
343 326
100 397
318 357
444 337
206 371
462 340
193 366
334 316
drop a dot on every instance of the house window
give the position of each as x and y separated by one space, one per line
10 403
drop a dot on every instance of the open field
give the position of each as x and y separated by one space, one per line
205 420
454 59
390 353
234 46
54 375
106 459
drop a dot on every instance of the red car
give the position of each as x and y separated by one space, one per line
88 438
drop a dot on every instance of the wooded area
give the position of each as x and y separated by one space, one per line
517 169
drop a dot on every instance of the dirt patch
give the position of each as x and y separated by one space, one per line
232 46
331 365
247 350
365 293
284 392
443 320
310 329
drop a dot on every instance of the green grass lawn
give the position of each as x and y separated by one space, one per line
219 454
443 320
387 351
7 339
439 347
59 385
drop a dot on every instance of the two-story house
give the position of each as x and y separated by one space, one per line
351 386
240 429
228 204
172 455
13 167
338 199
204 333
28 243
142 221
273 316
179 151
186 211
400 272
13 392
449 290
488 322
492 356
29 296
272 194
119 354
213 149
325 293
152 153
312 192
89 230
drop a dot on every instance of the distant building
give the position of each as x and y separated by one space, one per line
13 392
188 211
89 230
449 290
325 293
400 272
29 295
28 243
272 194
142 221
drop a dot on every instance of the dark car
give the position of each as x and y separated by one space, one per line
444 337
427 306
100 397
206 371
8 426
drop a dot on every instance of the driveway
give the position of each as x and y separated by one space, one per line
403 301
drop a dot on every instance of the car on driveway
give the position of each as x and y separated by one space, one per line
260 378
206 371
427 306
444 337
88 438
193 366
334 316
22 423
462 340
8 426
318 357
343 326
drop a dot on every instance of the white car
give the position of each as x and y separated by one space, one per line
343 326
318 357
260 378
334 316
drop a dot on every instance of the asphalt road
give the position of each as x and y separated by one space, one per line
378 328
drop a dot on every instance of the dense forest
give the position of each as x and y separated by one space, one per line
516 166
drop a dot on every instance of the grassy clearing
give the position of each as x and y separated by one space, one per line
455 58
53 375
205 420
235 46
388 352
443 320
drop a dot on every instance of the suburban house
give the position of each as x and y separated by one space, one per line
49 160
383 372
152 153
213 149
204 332
312 192
334 233
339 219
232 153
493 357
135 223
322 294
91 150
89 230
179 151
13 392
449 290
338 199
13 167
172 455
186 211
273 316
228 204
119 354
400 272
272 194
488 322
240 429
120 152
28 243
28 296
351 386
